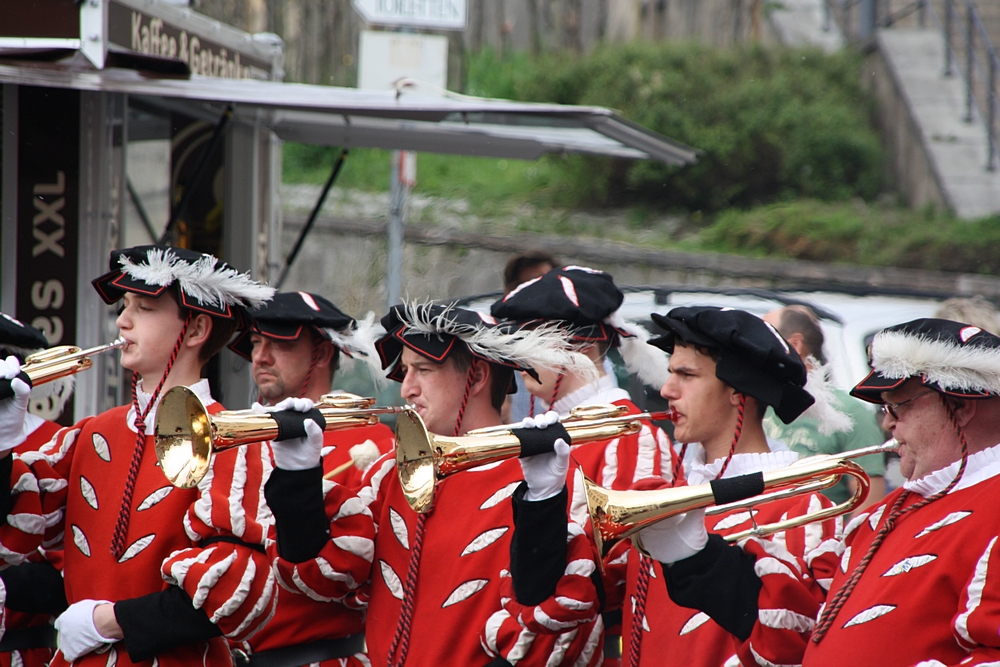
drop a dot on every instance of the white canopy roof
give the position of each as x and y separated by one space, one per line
410 119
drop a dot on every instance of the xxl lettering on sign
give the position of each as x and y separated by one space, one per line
48 205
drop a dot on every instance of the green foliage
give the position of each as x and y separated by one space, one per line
773 124
859 234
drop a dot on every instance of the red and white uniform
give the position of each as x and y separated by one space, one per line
465 551
70 492
808 552
619 462
40 431
616 463
337 450
295 617
931 594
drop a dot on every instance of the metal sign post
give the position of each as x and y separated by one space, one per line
403 171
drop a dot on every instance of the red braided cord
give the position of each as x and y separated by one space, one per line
678 463
313 360
641 594
555 390
402 637
736 435
125 512
831 610
531 405
465 399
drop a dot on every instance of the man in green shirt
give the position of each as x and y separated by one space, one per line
800 327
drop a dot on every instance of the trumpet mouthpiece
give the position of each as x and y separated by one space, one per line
665 415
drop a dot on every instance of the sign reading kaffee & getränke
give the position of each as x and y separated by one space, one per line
139 32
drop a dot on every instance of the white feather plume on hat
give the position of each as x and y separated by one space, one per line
541 348
650 364
359 342
200 280
897 355
829 419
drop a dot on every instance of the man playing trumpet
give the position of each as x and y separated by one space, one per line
726 367
432 579
151 572
923 560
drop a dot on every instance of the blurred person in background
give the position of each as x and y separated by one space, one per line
808 436
521 268
975 310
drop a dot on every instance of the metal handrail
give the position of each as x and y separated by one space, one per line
974 48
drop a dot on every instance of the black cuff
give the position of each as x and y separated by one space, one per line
35 588
498 661
296 500
6 498
159 622
538 546
720 581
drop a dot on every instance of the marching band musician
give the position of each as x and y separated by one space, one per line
923 560
152 572
295 347
33 591
726 367
434 577
585 303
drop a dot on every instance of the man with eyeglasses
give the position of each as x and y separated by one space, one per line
919 581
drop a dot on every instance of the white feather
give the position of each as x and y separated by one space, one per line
829 419
541 348
897 355
200 280
359 343
650 364
364 454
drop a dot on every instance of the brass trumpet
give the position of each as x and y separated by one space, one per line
187 435
58 362
620 514
423 458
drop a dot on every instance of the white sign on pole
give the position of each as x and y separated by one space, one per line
438 14
385 57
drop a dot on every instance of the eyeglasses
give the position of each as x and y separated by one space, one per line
893 408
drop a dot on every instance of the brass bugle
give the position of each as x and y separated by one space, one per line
617 515
187 436
59 362
423 458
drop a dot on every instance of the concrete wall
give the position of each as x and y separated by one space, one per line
909 168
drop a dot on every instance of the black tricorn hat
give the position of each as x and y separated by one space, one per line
204 283
434 331
288 314
753 358
19 338
950 357
579 297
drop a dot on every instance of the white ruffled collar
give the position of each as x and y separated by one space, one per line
981 466
700 472
200 389
603 390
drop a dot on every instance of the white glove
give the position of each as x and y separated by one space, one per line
541 421
13 410
675 538
78 634
297 453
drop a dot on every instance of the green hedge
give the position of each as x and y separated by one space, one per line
857 233
773 123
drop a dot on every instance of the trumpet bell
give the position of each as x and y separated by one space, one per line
415 461
183 438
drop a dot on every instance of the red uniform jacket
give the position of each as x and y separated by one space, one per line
930 595
195 539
